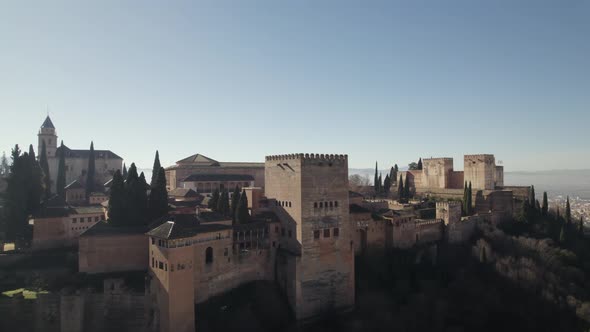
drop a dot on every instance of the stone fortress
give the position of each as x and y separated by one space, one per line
304 231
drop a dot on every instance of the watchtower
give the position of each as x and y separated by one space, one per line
449 212
316 256
480 170
47 134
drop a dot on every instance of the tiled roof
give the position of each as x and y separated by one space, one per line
218 177
198 159
74 185
47 123
69 153
179 229
183 192
102 228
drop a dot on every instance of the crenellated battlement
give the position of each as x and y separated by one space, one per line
447 203
488 158
438 159
308 156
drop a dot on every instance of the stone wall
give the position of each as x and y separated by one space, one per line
436 172
75 313
480 170
102 253
49 233
457 180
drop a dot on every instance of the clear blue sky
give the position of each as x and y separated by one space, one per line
378 80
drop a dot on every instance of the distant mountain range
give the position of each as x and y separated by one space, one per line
575 183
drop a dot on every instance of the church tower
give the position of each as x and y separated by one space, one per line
47 135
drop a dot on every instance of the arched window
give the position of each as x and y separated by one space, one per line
208 255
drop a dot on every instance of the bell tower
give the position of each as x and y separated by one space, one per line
47 134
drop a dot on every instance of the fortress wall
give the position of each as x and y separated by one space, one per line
461 231
102 253
429 231
480 170
457 180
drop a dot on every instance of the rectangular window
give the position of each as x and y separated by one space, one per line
152 262
290 234
95 219
74 220
316 234
274 244
81 219
336 231
327 232
336 204
166 267
153 240
161 265
89 219
171 267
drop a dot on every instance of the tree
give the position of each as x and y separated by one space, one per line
235 201
214 199
465 200
223 203
407 192
532 198
562 235
380 184
16 198
4 168
45 167
117 209
386 184
34 182
376 180
124 172
413 166
420 164
136 198
158 198
581 226
400 188
91 176
545 206
60 184
155 169
568 211
469 200
356 182
242 215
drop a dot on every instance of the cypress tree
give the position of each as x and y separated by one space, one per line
135 197
465 199
407 192
400 188
91 176
420 164
124 172
568 211
545 206
223 203
16 199
214 199
141 201
158 198
376 180
380 184
117 201
4 168
235 200
61 173
532 198
469 200
242 215
45 168
155 169
386 184
537 205
562 235
34 182
581 226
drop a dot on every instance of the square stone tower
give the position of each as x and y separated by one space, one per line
449 212
480 170
437 172
309 193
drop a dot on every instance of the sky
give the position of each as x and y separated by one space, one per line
387 81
